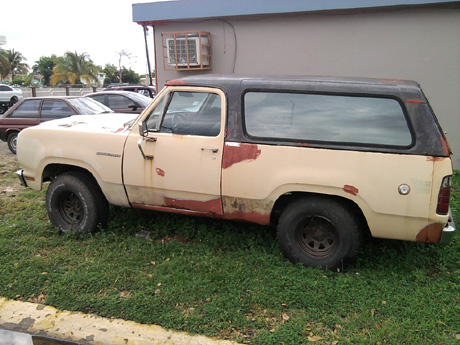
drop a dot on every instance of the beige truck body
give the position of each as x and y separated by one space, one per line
218 177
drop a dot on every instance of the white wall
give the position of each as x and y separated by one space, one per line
421 44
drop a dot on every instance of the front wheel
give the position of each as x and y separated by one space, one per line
319 232
12 142
75 203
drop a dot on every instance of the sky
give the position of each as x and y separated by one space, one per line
100 28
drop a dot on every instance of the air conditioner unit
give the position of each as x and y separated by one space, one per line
190 44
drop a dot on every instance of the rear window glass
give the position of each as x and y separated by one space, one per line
328 118
27 109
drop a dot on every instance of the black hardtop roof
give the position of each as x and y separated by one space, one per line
228 80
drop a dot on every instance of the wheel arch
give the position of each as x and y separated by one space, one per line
287 198
114 193
51 171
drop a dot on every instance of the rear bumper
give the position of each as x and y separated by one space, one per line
448 231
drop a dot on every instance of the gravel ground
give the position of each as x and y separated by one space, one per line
4 149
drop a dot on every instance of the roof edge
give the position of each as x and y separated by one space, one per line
196 9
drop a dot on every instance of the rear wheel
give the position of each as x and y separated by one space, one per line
12 141
13 100
319 232
75 203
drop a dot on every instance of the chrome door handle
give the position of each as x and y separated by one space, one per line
139 145
212 149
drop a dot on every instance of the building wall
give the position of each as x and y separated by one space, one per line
421 44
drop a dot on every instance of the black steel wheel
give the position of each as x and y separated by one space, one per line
75 203
317 237
319 232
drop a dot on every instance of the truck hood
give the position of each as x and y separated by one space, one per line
111 122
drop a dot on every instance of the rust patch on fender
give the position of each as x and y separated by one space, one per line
213 206
238 153
248 210
253 217
430 233
160 172
351 190
434 159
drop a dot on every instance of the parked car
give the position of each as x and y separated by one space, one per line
32 111
146 90
325 160
8 96
122 101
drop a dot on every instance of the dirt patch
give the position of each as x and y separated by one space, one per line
9 183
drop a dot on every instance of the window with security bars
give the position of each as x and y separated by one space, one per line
189 50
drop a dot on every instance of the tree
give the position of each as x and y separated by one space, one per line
111 74
45 66
4 65
130 77
12 63
120 54
74 68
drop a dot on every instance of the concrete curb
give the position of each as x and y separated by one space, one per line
90 329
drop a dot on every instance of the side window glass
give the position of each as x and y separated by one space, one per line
27 109
153 120
119 102
100 98
56 110
193 113
327 118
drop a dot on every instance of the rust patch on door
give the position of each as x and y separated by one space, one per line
430 233
213 206
160 172
351 189
238 153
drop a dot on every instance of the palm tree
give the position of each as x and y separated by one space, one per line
73 68
4 65
15 64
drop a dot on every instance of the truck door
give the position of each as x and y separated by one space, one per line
174 164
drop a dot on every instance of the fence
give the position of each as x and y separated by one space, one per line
57 91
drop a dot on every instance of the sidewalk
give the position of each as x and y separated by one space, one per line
45 321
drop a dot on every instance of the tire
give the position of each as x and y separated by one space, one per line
13 100
319 232
75 203
12 142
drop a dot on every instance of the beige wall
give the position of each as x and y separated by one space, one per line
421 44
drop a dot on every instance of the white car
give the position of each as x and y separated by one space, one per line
9 94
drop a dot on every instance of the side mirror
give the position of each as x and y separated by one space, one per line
143 130
132 106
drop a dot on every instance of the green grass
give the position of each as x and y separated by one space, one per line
229 280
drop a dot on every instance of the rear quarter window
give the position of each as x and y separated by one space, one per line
340 119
